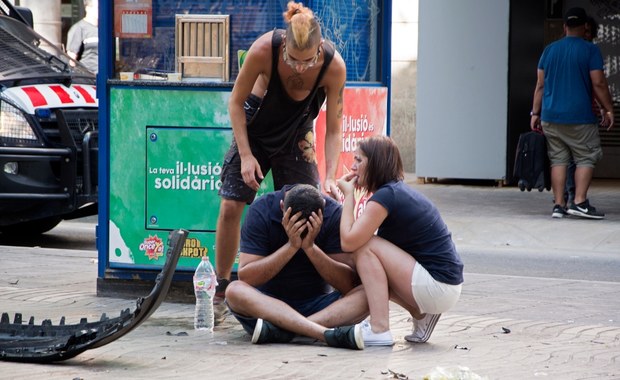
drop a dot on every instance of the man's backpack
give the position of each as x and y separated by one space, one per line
532 168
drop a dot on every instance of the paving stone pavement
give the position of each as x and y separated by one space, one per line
503 327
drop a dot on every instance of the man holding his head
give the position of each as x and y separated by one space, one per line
293 279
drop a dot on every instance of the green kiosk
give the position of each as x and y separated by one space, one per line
166 69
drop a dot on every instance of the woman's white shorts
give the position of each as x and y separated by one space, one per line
432 296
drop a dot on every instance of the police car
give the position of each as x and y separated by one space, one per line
48 130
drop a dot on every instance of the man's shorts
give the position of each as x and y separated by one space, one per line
294 166
432 296
581 142
303 307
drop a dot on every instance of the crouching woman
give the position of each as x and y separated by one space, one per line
403 249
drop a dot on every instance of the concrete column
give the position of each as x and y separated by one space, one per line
46 17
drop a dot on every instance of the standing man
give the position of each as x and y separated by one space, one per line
83 37
285 79
292 279
570 73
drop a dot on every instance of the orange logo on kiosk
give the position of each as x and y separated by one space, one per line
153 247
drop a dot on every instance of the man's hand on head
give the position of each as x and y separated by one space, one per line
313 226
294 226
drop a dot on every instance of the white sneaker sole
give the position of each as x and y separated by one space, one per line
583 215
359 338
379 343
257 329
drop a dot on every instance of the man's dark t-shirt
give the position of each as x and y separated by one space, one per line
262 234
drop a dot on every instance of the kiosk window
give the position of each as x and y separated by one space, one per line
147 35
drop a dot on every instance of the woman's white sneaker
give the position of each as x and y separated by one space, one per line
423 328
375 339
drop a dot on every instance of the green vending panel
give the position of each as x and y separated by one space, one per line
183 167
167 148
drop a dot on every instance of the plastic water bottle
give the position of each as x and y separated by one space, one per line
205 281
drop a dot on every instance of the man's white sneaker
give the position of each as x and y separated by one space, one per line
423 328
375 339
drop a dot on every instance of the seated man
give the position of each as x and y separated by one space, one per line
289 265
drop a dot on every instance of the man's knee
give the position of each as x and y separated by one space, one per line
233 291
238 294
230 211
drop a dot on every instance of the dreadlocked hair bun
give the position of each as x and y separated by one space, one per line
302 25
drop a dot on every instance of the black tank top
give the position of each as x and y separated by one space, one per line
280 118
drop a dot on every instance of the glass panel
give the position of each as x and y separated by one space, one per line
352 25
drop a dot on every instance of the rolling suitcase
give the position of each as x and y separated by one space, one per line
532 168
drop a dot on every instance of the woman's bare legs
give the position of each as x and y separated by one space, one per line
385 270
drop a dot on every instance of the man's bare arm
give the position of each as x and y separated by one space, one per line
339 275
335 84
603 96
537 102
257 270
257 57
